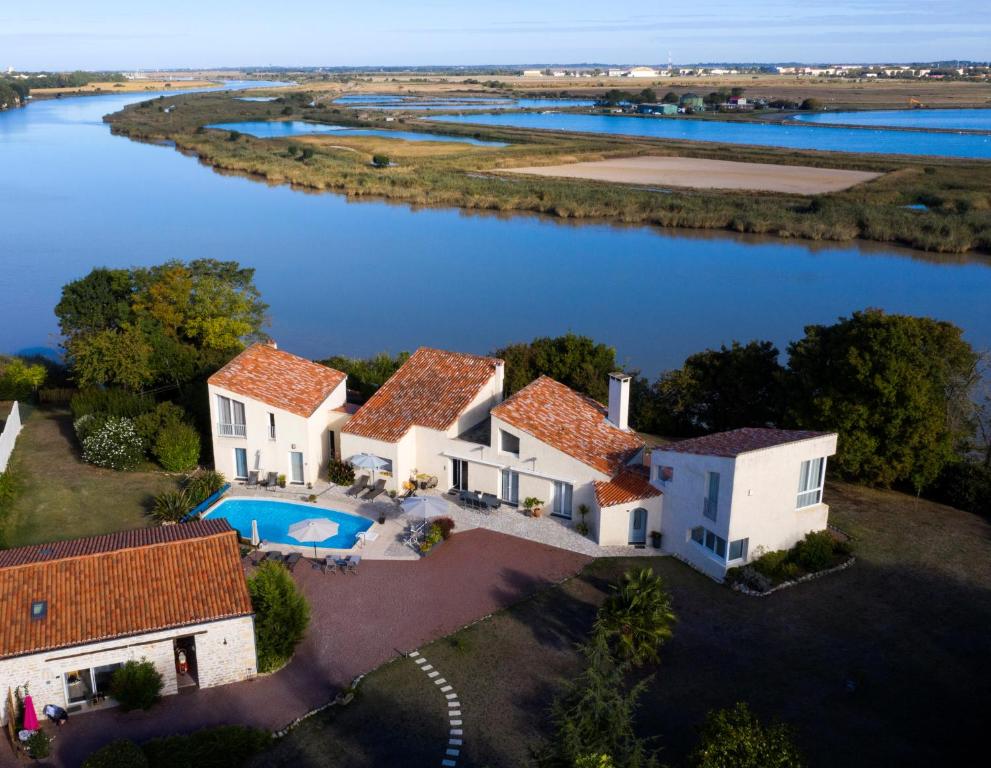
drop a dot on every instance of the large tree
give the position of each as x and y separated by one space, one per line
577 361
895 387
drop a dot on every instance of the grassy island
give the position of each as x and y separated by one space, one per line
951 200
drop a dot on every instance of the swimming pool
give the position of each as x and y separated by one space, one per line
274 518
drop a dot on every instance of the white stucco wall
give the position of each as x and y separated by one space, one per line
611 525
757 500
217 663
292 433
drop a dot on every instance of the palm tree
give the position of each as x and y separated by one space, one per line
637 617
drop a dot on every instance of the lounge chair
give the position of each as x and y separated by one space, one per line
330 564
272 481
252 478
272 556
360 484
352 566
377 490
491 501
291 559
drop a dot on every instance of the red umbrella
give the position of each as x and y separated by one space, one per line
30 716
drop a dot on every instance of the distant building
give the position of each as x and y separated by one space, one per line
642 72
657 109
616 72
692 101
532 73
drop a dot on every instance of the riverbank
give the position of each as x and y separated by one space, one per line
128 86
957 219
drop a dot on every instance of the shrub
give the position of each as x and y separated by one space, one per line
735 737
636 618
226 746
39 744
136 685
149 424
749 577
815 551
172 506
281 615
770 563
203 485
177 447
445 526
965 485
20 379
113 402
380 161
114 445
340 472
122 753
434 536
86 425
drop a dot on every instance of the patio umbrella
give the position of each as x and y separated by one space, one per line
30 716
313 529
255 539
368 461
425 507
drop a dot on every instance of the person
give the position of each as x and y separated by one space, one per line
55 713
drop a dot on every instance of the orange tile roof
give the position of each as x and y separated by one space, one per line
628 485
120 585
573 423
279 379
431 389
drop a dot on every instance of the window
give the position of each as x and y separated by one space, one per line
698 534
710 541
810 482
509 443
510 486
562 499
240 464
664 475
39 609
738 549
230 417
711 502
271 428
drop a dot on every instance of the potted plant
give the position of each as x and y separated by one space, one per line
582 527
533 506
281 481
655 539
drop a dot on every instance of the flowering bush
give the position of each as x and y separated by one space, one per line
114 444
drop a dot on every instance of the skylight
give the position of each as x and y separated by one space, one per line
39 609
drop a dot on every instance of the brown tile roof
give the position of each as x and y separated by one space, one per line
431 389
572 423
628 485
279 379
119 585
737 441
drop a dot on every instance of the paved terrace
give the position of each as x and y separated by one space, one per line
359 622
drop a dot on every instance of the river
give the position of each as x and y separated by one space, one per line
357 278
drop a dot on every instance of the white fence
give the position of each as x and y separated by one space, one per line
11 429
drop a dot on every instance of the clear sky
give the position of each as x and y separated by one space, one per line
113 34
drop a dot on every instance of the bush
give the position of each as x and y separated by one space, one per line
749 577
445 526
226 746
86 425
113 402
203 485
149 424
122 753
380 161
136 685
281 615
340 472
177 447
172 506
19 379
965 485
39 744
114 444
734 737
815 551
770 563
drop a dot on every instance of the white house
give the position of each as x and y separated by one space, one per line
731 495
271 411
74 611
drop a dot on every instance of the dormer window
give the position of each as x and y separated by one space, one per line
509 443
39 610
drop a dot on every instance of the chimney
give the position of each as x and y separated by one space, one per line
271 342
619 399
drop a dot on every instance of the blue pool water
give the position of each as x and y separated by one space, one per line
275 517
280 129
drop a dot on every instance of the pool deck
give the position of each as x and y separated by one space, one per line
388 536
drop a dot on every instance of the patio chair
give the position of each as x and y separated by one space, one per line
352 566
360 484
377 490
252 478
470 499
491 501
273 556
291 560
330 564
272 481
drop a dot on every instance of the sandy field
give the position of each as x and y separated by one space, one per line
707 174
128 86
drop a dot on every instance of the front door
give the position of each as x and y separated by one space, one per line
240 463
510 486
638 526
296 466
459 474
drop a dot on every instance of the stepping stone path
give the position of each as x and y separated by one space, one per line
455 739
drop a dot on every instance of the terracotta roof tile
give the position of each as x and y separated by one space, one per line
119 585
431 389
628 485
279 379
737 441
573 423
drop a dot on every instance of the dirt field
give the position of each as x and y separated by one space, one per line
707 174
128 86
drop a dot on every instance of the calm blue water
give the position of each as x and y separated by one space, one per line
761 134
280 129
954 119
275 517
393 101
257 98
359 277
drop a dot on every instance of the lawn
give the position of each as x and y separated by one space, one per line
886 663
60 497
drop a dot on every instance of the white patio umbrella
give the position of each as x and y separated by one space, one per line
425 507
255 539
368 461
312 530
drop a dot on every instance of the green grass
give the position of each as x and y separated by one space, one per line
907 625
60 497
956 191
